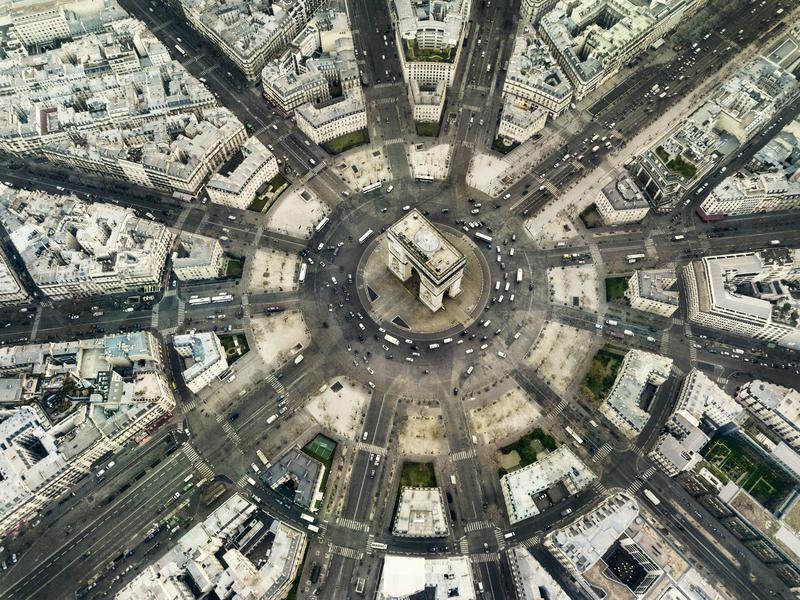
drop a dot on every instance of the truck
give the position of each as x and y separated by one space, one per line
611 322
628 332
298 359
679 237
271 419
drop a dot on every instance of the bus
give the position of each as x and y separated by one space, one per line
313 528
652 497
180 50
379 546
182 196
679 237
302 277
222 298
519 275
321 224
198 301
634 256
262 458
365 237
426 178
307 517
484 238
574 435
391 339
371 187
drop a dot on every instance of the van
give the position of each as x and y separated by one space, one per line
501 354
251 481
470 369
508 535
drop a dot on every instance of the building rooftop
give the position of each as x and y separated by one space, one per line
532 66
406 577
703 398
622 193
255 157
62 239
319 115
205 352
779 399
447 17
426 245
639 373
585 540
531 580
195 251
420 513
657 285
303 472
521 487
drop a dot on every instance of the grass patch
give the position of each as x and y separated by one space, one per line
235 267
530 445
602 373
731 458
503 148
259 203
416 474
235 346
346 141
322 448
616 288
427 128
416 54
677 165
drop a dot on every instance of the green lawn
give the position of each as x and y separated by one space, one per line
347 141
416 54
530 445
427 128
259 203
502 147
232 351
235 267
602 373
678 165
731 458
616 288
417 474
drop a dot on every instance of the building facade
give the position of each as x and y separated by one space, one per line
197 257
653 291
237 189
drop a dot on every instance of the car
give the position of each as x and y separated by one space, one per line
507 196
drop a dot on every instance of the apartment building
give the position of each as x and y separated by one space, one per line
205 355
678 447
653 291
335 118
743 294
249 33
41 22
73 249
518 124
254 166
427 101
197 257
47 447
11 290
775 406
621 202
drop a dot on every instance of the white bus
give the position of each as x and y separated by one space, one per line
679 237
379 546
322 224
262 458
426 178
574 435
313 528
365 237
391 339
198 301
302 277
484 238
180 50
307 517
634 257
519 275
371 187
222 298
652 497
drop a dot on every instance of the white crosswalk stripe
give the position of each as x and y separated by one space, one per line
352 524
368 548
599 487
345 551
498 536
197 461
648 473
635 486
560 407
532 541
242 482
189 406
677 321
485 557
229 431
477 525
602 452
275 383
722 381
463 545
371 448
463 455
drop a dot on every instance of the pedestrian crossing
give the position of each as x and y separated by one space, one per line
197 461
602 452
532 541
635 486
181 310
677 321
599 487
370 448
485 557
229 430
560 407
722 381
498 536
640 480
189 406
463 454
463 545
242 482
275 383
352 524
477 525
648 473
345 551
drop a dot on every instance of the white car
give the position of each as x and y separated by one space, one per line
507 196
